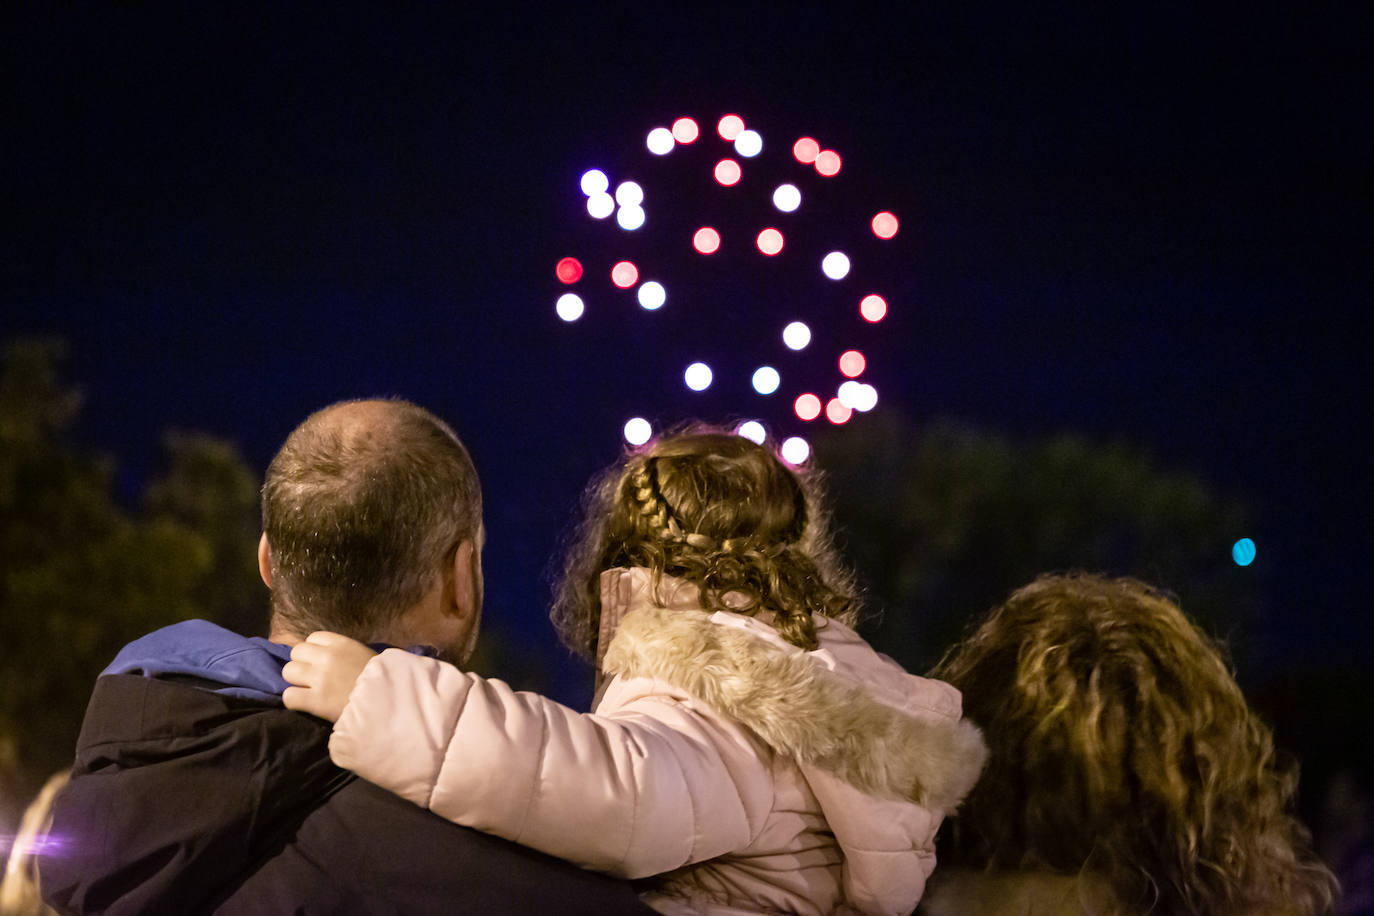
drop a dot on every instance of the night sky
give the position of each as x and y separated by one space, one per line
1151 224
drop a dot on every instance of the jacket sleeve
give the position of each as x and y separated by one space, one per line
649 787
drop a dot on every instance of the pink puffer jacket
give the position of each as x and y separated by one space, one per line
750 775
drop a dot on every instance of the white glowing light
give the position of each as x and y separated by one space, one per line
796 335
748 143
594 182
753 431
629 194
867 398
652 295
660 141
630 218
569 306
766 380
697 376
600 205
787 197
849 394
795 450
835 265
638 431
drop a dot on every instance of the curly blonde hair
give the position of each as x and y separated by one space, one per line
719 511
1122 747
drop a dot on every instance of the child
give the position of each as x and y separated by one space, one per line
748 751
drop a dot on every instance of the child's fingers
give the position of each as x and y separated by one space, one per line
298 672
296 698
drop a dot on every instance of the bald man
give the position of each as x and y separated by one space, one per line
195 790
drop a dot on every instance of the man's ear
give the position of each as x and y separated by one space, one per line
265 561
463 593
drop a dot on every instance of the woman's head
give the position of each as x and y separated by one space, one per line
717 510
1121 745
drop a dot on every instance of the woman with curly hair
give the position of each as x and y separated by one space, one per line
748 752
1126 772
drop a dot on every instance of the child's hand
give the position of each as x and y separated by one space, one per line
324 669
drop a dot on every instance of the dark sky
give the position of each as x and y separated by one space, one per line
1149 223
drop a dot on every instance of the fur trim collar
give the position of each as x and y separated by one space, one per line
800 708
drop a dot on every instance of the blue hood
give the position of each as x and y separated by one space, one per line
248 667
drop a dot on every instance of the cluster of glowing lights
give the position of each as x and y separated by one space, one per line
638 431
728 172
766 380
624 274
852 396
835 265
629 196
873 308
1243 552
698 376
652 295
753 431
706 240
787 198
796 336
662 140
569 307
795 450
769 241
568 270
858 396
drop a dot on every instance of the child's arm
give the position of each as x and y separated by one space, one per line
650 788
323 670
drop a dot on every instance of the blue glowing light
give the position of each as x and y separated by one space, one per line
1243 552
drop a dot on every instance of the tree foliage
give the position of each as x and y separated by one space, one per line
943 522
81 575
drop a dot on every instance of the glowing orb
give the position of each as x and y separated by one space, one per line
630 218
729 127
805 150
660 141
873 307
685 130
1243 552
594 182
865 399
569 270
796 335
706 240
836 412
638 431
727 172
807 406
766 380
748 143
652 295
569 306
835 265
753 431
850 393
828 163
697 376
600 205
852 363
770 241
795 450
787 198
624 274
885 225
629 194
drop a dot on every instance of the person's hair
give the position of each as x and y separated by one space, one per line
360 507
719 511
1122 747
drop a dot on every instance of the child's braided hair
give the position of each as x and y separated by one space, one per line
717 510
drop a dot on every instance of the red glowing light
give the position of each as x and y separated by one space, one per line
729 127
852 363
770 241
685 130
806 150
569 270
828 163
885 225
808 407
836 412
727 172
624 274
873 307
706 240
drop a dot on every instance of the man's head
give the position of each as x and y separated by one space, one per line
372 527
